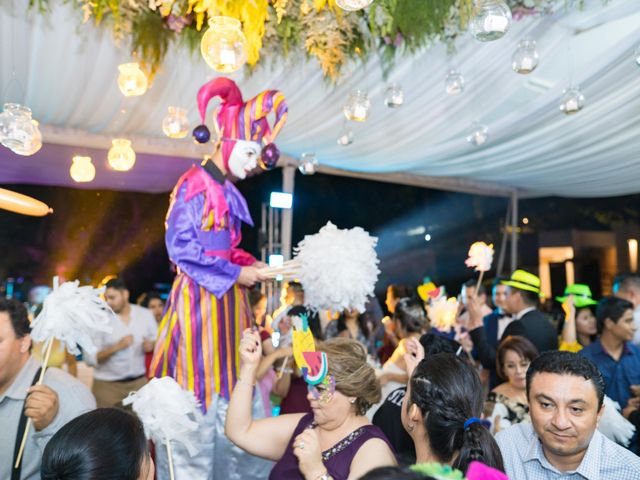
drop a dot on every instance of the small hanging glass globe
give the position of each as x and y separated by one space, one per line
478 135
358 106
17 130
490 19
353 5
394 96
454 83
525 59
175 123
121 156
572 101
34 145
345 138
224 46
636 56
82 170
308 163
132 81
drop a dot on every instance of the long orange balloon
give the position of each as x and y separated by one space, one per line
18 203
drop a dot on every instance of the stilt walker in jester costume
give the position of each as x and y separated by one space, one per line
207 309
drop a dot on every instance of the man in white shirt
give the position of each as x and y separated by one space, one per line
49 406
119 364
627 287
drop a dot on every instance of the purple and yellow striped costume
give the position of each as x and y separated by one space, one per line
207 310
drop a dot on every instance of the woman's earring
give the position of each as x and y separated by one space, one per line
353 400
410 427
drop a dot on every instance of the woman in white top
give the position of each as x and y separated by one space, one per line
507 403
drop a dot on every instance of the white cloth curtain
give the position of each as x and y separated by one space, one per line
66 73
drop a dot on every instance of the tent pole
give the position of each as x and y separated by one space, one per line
288 181
503 242
514 231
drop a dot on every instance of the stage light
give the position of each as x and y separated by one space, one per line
281 200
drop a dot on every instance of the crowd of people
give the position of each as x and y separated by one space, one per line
508 388
497 391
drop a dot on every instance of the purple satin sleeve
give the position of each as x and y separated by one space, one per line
215 274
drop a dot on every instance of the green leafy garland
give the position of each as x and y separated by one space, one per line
318 28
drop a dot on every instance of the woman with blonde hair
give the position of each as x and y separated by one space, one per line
336 440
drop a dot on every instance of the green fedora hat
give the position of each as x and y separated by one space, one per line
523 280
581 295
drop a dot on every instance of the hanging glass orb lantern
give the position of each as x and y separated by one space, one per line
490 19
636 56
82 170
34 145
121 156
572 101
224 46
353 5
346 137
358 106
454 83
308 163
525 59
175 123
132 81
17 129
478 135
393 96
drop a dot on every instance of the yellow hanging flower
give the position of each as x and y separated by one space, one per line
253 16
305 8
281 9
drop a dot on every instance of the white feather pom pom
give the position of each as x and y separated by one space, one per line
338 268
442 313
72 314
613 425
480 256
167 412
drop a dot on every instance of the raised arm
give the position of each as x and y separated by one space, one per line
569 339
486 352
268 437
267 361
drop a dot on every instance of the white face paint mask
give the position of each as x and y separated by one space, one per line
244 158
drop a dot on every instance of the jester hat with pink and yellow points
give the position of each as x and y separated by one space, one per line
237 120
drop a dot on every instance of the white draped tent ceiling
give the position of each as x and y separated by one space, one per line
66 73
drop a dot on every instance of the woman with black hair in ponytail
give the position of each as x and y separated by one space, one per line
441 414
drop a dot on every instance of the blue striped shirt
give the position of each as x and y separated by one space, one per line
524 458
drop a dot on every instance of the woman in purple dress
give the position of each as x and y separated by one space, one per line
335 441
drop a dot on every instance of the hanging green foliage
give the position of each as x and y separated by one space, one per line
275 28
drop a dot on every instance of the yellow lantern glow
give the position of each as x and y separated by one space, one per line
224 46
175 124
132 81
82 170
121 156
